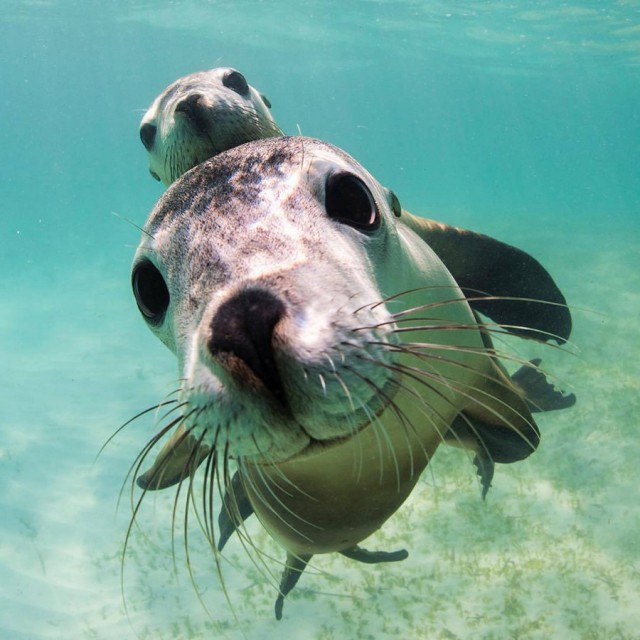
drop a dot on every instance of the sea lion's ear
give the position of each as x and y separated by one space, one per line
266 100
394 203
502 282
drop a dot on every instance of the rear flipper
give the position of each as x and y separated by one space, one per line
493 443
484 468
374 557
297 564
540 394
293 570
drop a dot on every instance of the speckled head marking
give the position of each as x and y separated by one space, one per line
325 351
200 115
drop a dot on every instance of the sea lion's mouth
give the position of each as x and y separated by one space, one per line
185 452
316 447
360 421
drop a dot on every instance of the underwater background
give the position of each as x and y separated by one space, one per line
520 120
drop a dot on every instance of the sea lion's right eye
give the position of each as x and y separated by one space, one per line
349 201
235 81
150 291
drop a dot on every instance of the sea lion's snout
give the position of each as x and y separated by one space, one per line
242 338
194 109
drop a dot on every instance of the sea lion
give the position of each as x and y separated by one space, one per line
324 349
201 115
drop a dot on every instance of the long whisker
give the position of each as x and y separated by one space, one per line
128 422
267 503
358 456
135 467
257 556
463 389
376 421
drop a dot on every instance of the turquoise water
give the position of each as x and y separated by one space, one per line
519 120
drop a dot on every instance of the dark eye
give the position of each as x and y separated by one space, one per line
235 81
348 200
150 291
148 135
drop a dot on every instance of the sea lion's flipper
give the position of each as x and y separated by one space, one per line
492 272
497 426
540 394
494 435
485 467
179 457
236 508
295 565
498 444
490 444
498 419
373 557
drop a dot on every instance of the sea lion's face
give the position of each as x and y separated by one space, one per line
264 271
199 116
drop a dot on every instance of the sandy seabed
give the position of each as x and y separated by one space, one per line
552 553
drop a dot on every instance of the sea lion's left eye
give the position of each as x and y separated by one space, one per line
150 291
235 81
348 200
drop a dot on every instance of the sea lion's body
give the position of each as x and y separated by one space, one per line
323 346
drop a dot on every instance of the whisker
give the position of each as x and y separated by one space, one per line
386 299
135 467
463 388
133 224
254 553
357 459
248 476
128 422
376 421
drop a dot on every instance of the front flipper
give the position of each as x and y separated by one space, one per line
179 457
502 282
374 557
293 570
236 508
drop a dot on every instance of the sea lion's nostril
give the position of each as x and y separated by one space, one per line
243 327
189 106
